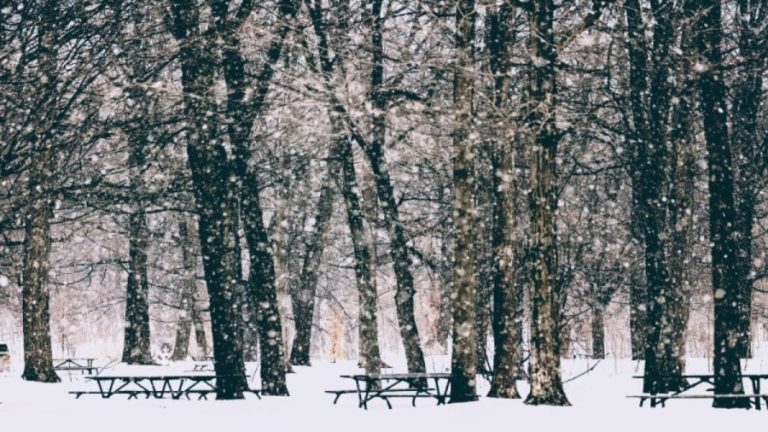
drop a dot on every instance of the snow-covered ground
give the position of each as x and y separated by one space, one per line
598 398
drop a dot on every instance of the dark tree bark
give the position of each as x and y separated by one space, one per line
189 317
136 343
681 215
597 327
38 357
749 167
214 198
464 294
546 383
261 288
484 251
303 301
722 212
507 293
650 96
368 332
250 329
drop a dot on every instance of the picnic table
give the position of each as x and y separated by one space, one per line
157 386
396 385
695 380
75 364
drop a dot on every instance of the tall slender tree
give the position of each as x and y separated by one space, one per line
464 352
215 196
707 28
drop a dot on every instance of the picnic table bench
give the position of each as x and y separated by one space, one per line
402 385
159 387
83 365
695 380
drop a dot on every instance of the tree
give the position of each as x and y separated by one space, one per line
707 28
749 167
261 282
464 353
214 197
650 99
546 384
189 316
343 126
136 345
508 294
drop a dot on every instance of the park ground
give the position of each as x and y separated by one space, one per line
598 398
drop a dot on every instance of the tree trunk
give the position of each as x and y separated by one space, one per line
484 251
722 212
650 107
598 331
284 239
746 145
261 289
507 315
38 357
36 326
250 330
214 199
362 251
464 352
681 215
368 332
546 383
637 312
303 300
506 318
188 294
398 250
445 275
136 343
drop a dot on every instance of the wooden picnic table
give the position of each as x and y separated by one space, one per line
394 385
157 386
695 380
75 364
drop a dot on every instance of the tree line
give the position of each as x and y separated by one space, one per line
539 162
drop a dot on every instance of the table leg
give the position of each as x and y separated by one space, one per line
101 389
179 392
360 403
756 391
438 394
